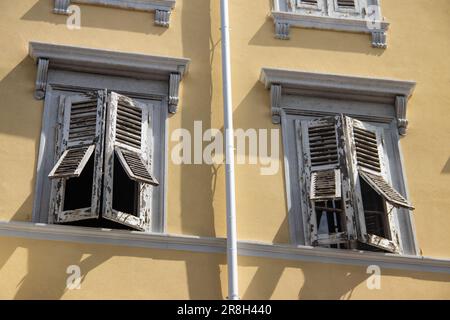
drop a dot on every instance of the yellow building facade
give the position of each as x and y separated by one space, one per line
186 258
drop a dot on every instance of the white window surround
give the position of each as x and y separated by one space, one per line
298 94
162 8
65 70
364 18
41 231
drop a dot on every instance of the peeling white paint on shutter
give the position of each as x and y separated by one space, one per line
307 2
323 177
80 136
346 4
135 167
367 162
326 185
127 132
72 162
385 190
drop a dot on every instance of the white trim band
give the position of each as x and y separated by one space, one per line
218 245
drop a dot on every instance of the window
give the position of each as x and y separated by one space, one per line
362 16
345 181
350 200
162 8
102 155
86 187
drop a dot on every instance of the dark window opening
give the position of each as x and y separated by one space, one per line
374 211
125 191
99 223
78 191
329 218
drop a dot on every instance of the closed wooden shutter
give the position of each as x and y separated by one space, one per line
127 143
307 2
81 127
346 4
323 159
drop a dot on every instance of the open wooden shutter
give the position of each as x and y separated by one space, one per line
322 166
77 174
367 153
128 148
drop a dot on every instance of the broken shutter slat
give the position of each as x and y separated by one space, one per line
382 243
384 189
72 162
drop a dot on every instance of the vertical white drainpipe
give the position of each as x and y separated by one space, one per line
229 156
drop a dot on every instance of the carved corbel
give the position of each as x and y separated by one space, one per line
174 85
379 39
275 98
400 110
282 30
61 7
41 78
162 18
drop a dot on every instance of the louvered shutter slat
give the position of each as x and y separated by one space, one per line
348 4
385 190
325 185
307 2
135 166
322 144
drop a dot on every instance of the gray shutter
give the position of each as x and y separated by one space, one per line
127 140
369 166
307 2
367 155
80 137
322 167
346 4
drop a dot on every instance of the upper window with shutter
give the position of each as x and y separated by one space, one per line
104 167
362 16
350 199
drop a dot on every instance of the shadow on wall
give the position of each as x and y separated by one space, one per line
20 116
304 38
98 17
446 169
44 282
197 182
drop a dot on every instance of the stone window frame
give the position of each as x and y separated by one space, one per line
306 95
67 70
161 8
365 18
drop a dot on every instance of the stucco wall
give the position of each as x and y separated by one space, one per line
419 43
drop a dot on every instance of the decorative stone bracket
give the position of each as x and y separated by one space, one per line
370 90
137 66
162 8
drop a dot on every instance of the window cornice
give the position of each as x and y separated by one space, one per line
218 245
162 8
287 14
282 81
115 63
